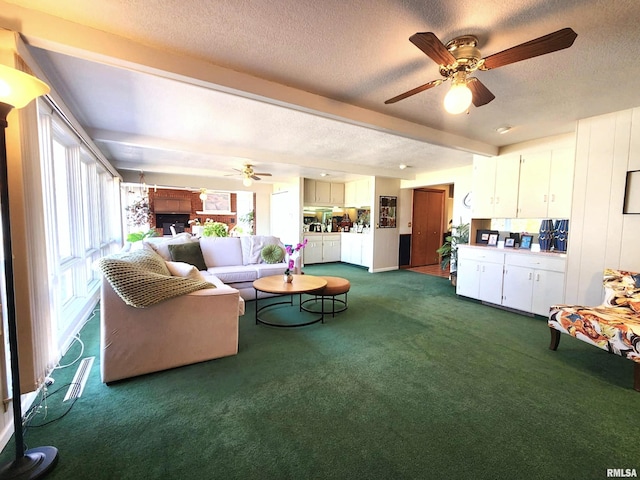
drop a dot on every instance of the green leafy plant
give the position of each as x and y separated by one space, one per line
137 236
449 249
215 229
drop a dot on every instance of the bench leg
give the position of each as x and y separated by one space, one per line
636 376
555 338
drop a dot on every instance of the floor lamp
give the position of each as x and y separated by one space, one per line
17 89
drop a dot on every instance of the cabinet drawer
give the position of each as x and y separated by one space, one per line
538 262
481 254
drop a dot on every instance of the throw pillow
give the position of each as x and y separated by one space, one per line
272 254
188 253
184 270
162 247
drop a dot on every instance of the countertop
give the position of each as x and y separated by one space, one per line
523 251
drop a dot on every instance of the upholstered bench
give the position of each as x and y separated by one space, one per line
335 286
613 326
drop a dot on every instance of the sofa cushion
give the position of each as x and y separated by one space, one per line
188 253
185 270
258 242
221 251
272 254
161 245
268 269
234 273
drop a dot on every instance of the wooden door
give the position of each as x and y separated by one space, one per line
428 217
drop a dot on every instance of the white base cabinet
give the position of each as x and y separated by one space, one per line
480 274
532 283
356 249
526 281
322 248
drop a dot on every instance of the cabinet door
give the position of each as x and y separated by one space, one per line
366 250
468 278
363 193
534 185
323 193
507 176
337 194
561 183
312 253
350 194
331 248
490 282
484 181
548 289
309 191
517 287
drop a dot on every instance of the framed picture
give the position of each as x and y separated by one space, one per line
388 206
482 236
493 239
509 242
525 241
217 203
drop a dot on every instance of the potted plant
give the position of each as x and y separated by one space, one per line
215 229
449 249
138 236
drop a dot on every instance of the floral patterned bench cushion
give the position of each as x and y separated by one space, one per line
613 326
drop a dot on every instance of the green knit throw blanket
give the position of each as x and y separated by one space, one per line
141 278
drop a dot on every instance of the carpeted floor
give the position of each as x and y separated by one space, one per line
410 382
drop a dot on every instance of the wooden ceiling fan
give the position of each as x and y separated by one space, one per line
460 57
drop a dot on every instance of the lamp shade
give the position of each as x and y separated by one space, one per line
247 182
19 88
458 98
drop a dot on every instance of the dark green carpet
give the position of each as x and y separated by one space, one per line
409 382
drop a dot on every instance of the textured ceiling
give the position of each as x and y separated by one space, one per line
345 56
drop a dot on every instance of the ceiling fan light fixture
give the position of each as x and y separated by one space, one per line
203 194
458 98
247 182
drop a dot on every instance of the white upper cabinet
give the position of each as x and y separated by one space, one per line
546 182
323 193
495 186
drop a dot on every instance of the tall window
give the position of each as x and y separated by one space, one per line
82 221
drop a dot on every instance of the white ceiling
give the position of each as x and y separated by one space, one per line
297 87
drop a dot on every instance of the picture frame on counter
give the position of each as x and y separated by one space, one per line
493 239
482 236
509 242
525 241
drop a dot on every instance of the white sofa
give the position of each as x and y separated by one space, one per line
157 314
235 261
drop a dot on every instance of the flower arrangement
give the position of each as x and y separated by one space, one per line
291 251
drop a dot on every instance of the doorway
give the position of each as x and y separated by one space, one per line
427 222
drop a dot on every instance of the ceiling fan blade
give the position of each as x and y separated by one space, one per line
254 177
263 174
481 94
419 89
540 46
433 47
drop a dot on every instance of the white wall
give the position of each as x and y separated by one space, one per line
600 236
286 211
386 241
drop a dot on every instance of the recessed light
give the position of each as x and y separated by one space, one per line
324 174
503 130
402 166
